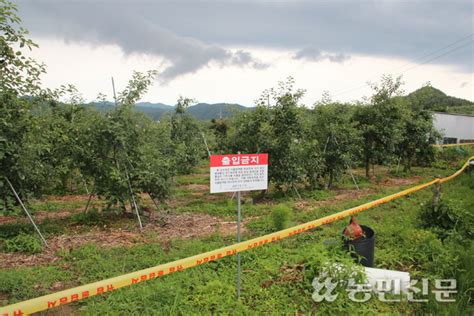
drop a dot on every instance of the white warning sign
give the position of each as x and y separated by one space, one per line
241 172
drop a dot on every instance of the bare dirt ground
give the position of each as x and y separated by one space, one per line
195 187
347 194
162 229
67 198
170 226
38 217
395 182
199 175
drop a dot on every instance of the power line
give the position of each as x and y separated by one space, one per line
442 55
461 40
414 60
411 68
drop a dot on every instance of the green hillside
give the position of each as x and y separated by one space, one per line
438 101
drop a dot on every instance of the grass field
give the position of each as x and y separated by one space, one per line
87 247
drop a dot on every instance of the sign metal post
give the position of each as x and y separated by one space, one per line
236 173
239 268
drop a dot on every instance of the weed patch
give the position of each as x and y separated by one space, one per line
23 243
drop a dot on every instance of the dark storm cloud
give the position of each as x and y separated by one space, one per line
193 34
135 32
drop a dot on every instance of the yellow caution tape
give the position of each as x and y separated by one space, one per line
453 145
81 292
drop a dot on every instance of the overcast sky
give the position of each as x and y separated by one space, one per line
229 51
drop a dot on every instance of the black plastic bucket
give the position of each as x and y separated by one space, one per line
363 249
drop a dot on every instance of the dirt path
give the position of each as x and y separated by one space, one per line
171 226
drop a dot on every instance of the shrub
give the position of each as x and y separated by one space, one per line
468 180
424 251
451 154
23 243
335 265
90 218
10 230
281 217
213 296
447 218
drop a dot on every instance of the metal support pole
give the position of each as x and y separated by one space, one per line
26 211
353 179
436 196
297 193
238 240
130 186
348 169
113 89
91 194
134 202
205 143
326 146
84 183
398 164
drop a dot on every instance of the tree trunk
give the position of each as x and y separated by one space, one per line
406 163
88 202
5 201
406 166
122 204
367 166
260 196
331 178
154 202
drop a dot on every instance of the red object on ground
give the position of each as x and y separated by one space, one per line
353 230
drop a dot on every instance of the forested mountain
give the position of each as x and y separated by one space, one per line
205 111
426 97
201 111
